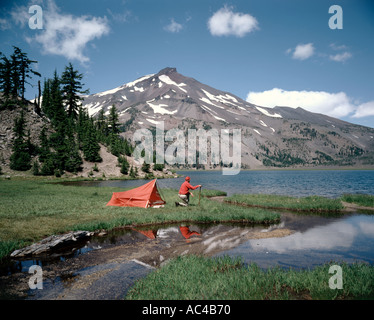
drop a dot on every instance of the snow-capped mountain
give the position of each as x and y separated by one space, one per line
278 136
157 96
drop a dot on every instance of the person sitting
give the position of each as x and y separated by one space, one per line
184 192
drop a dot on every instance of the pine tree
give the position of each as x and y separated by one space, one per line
124 166
132 172
5 78
58 115
20 158
91 148
146 167
44 149
71 88
14 73
48 167
113 122
35 168
74 160
46 101
23 68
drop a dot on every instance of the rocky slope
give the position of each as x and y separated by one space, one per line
34 124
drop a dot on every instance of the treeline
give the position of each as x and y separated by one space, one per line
71 134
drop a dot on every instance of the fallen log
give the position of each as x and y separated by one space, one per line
51 243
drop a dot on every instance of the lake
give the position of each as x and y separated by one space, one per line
297 183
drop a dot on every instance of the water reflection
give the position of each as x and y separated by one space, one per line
299 241
348 239
187 233
152 233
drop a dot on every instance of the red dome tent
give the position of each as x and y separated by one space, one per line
144 196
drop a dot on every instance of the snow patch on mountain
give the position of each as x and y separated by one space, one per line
266 113
159 108
210 102
92 108
256 131
100 94
164 78
263 123
133 83
153 121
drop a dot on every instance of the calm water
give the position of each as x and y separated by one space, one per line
298 183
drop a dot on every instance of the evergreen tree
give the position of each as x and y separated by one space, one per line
44 149
58 115
124 166
91 148
132 172
113 122
22 70
20 158
71 88
36 168
14 73
146 167
5 78
74 160
46 101
48 167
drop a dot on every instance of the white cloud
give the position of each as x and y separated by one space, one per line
68 35
332 104
364 110
20 15
302 51
225 22
4 24
341 57
336 47
173 27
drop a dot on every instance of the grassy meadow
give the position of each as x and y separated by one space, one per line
311 203
364 200
197 278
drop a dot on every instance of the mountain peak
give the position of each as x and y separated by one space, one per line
167 71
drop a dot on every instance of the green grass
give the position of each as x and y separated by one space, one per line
195 278
312 203
364 200
31 210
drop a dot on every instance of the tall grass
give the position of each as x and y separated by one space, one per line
311 203
32 210
364 200
196 278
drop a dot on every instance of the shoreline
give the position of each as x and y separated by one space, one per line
26 175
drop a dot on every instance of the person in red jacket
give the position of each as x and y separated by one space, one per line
184 192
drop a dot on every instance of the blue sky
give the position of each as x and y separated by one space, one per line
270 52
